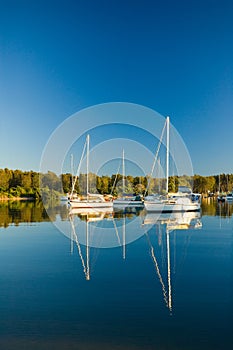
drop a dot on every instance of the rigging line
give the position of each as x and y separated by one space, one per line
174 260
158 271
71 241
114 183
95 249
155 159
184 252
72 169
117 233
79 166
78 246
162 248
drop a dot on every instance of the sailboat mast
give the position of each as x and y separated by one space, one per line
167 158
88 146
72 170
123 171
159 189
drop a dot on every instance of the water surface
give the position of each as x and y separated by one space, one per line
56 292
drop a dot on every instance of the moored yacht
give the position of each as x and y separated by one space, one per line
90 200
174 203
183 200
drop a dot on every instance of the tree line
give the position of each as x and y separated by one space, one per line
18 183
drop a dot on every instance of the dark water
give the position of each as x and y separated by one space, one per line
170 288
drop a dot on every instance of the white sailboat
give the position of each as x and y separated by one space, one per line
126 200
90 200
177 202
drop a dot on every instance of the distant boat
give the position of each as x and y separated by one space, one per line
221 199
64 198
229 197
127 200
183 200
89 200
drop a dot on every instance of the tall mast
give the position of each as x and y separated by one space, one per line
123 170
159 175
72 170
167 158
88 145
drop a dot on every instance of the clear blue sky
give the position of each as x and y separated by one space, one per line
176 57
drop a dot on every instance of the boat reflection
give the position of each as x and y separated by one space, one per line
88 216
175 221
156 229
164 224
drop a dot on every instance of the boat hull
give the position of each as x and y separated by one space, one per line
90 205
127 203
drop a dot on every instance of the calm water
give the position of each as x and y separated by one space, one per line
170 287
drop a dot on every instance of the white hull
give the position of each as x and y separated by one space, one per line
90 205
121 203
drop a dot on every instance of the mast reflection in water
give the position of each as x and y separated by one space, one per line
160 225
117 298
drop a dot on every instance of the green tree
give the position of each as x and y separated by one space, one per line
51 180
5 179
66 182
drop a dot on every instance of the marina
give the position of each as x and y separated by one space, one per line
116 194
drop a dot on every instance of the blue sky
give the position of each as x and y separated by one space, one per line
175 57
